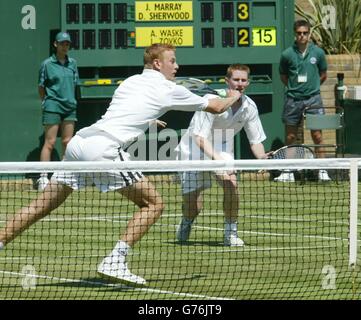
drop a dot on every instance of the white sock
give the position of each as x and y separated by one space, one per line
121 248
1 245
230 228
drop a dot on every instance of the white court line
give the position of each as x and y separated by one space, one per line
268 233
249 249
209 213
216 213
246 248
275 217
100 218
180 294
54 257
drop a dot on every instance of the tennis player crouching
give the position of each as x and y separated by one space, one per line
210 137
139 100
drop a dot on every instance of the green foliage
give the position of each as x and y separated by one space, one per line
346 36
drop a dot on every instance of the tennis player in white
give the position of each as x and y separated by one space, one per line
137 102
211 136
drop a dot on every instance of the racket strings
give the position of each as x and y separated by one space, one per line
293 152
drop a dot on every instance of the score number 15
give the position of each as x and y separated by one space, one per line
261 36
264 36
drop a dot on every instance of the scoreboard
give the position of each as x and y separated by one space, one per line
108 40
113 32
109 37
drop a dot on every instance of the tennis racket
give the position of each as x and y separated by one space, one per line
199 87
293 152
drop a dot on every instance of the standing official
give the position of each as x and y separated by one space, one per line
58 77
303 68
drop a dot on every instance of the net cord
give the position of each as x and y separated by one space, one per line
177 166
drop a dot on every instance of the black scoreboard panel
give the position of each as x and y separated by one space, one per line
112 33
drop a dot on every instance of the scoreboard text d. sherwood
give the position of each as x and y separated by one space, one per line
164 11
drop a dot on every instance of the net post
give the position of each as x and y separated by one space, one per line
353 212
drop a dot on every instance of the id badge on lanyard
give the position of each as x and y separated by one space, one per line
301 78
302 74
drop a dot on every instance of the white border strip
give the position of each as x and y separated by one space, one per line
176 166
353 213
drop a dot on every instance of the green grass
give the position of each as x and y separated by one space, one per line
292 232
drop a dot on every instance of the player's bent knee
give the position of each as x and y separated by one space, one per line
291 138
65 142
49 144
156 206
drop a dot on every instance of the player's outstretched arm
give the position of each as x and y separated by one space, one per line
219 105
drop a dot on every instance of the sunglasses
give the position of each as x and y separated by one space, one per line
299 33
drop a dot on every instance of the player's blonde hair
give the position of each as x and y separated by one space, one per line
237 66
155 51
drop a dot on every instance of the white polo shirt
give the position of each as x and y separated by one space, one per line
141 99
220 130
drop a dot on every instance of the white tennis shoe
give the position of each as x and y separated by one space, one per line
323 175
233 241
184 230
285 177
116 269
42 183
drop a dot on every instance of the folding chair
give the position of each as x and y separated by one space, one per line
328 121
331 120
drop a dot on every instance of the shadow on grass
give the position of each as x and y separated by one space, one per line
85 283
106 285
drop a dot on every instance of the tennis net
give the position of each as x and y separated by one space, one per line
300 238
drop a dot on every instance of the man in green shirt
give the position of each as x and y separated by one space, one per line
58 77
303 68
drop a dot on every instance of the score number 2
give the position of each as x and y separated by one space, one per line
243 37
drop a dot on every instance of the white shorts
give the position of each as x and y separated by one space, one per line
195 180
199 180
96 147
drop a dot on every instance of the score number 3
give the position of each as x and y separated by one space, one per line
243 11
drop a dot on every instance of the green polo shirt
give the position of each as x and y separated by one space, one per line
59 82
294 64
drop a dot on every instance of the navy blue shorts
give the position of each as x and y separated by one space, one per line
294 108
